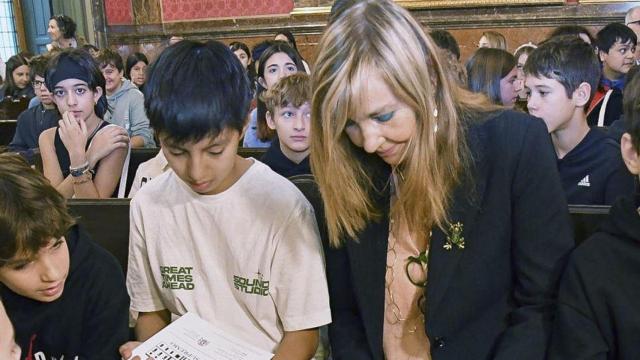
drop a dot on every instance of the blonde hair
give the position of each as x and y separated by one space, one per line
382 36
496 40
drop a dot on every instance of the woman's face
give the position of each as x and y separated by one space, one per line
510 85
138 73
54 30
382 123
21 76
276 67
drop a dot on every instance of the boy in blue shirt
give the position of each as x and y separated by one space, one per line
561 78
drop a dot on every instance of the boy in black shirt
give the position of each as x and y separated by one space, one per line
39 118
65 295
289 114
561 77
598 315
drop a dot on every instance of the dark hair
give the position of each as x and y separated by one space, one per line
573 30
31 210
264 133
132 60
85 62
196 90
612 33
486 68
290 38
38 66
631 105
66 25
446 41
108 57
89 47
237 45
12 64
566 59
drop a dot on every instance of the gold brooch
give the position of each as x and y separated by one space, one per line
455 237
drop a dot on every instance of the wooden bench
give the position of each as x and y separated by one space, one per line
107 222
586 219
7 130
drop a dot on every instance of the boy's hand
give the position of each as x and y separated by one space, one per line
127 349
105 141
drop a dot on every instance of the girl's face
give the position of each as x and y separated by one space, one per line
75 96
54 31
282 37
382 124
276 67
510 85
243 57
521 61
21 76
138 73
484 42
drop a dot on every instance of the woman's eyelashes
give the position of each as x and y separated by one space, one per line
384 117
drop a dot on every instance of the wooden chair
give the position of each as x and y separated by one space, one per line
586 219
107 222
7 130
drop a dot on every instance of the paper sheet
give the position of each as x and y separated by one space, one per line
191 338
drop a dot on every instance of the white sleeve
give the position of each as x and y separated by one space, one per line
141 285
298 280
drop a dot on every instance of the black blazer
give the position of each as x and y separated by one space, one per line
495 298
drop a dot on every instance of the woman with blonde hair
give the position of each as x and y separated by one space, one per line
492 39
447 225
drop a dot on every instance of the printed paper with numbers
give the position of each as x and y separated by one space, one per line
191 338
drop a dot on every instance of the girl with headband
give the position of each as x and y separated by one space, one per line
83 157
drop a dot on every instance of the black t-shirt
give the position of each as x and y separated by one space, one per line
278 162
89 320
598 314
593 172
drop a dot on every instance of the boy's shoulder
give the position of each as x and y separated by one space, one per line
263 186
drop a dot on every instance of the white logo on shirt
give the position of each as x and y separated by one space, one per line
585 182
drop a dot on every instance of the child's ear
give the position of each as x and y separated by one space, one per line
582 94
601 55
97 93
630 154
270 122
262 82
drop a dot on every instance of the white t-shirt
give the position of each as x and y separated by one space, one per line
248 260
147 171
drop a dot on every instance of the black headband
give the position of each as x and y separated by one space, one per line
68 69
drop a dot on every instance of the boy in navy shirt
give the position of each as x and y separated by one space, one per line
65 295
289 114
598 314
33 121
561 77
616 45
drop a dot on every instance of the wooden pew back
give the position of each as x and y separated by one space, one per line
586 219
7 130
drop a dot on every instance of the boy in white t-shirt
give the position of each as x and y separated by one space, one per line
219 235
